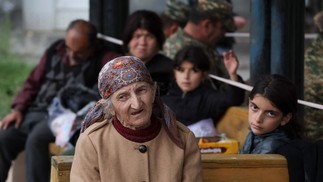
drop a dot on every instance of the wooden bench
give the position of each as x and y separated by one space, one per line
61 168
244 168
216 167
17 171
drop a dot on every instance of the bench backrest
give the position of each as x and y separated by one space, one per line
216 167
234 124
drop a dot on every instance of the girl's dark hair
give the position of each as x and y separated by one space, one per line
193 54
282 94
144 19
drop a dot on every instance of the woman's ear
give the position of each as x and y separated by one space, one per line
286 119
112 111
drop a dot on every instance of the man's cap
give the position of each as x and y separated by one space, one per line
220 9
176 10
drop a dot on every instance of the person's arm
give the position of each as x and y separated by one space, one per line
235 94
85 162
30 87
192 170
26 96
170 48
231 64
228 95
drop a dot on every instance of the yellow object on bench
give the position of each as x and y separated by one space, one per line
223 146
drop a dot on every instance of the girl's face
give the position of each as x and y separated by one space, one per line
264 117
143 45
188 77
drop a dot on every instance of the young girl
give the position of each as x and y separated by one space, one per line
272 115
195 103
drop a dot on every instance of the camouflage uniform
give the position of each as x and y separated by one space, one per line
181 39
313 91
216 8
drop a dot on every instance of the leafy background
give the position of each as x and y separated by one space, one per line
13 69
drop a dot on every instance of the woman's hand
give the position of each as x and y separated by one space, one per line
13 117
231 64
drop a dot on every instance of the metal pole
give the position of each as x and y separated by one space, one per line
287 40
110 17
259 39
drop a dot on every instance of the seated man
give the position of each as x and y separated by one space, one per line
76 60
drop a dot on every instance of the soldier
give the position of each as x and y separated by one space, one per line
207 23
174 16
313 81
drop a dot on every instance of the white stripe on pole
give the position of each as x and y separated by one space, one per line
110 39
247 35
249 88
230 82
236 34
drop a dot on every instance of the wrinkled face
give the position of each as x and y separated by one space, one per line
143 45
133 105
78 46
264 117
188 77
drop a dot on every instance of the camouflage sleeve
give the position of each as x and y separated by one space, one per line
313 73
313 92
169 49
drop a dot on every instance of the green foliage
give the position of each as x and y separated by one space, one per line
5 33
13 70
12 75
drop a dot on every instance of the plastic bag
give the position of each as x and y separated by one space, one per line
60 122
203 128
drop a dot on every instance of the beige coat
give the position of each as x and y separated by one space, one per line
102 154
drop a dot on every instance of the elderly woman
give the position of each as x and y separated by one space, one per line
130 135
143 37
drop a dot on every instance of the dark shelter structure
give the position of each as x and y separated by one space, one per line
277 39
109 16
276 34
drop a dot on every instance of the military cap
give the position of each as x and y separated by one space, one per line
176 10
220 9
